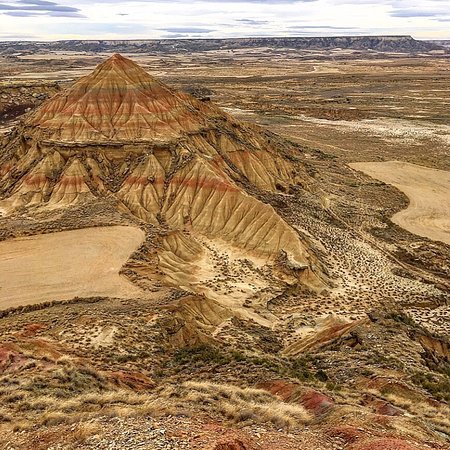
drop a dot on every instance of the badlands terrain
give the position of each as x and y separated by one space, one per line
228 246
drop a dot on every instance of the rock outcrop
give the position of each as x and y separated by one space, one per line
172 160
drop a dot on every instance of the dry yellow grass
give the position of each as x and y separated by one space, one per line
84 431
239 404
232 403
439 416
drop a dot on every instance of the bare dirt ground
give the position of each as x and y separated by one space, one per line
61 266
88 373
428 190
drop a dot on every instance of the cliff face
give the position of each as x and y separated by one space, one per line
395 44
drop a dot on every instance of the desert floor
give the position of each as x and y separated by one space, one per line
139 361
428 190
64 265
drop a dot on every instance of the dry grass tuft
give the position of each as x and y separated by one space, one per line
237 404
84 431
438 415
54 418
4 417
38 405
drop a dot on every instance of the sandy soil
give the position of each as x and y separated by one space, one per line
60 266
428 190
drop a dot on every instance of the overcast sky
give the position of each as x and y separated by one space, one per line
146 19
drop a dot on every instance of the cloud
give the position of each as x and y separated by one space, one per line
321 27
64 14
423 8
144 2
266 1
174 36
36 2
186 30
20 14
18 36
30 8
411 12
252 21
156 19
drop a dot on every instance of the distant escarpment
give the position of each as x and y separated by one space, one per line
394 44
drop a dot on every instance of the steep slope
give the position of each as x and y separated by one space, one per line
119 101
171 160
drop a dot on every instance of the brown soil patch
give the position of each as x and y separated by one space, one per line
61 266
428 190
385 444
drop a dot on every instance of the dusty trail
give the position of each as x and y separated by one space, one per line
61 266
428 190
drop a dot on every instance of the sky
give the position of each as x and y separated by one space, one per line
154 19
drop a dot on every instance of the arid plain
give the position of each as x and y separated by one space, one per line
220 350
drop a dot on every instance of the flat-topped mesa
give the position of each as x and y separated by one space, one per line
118 101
